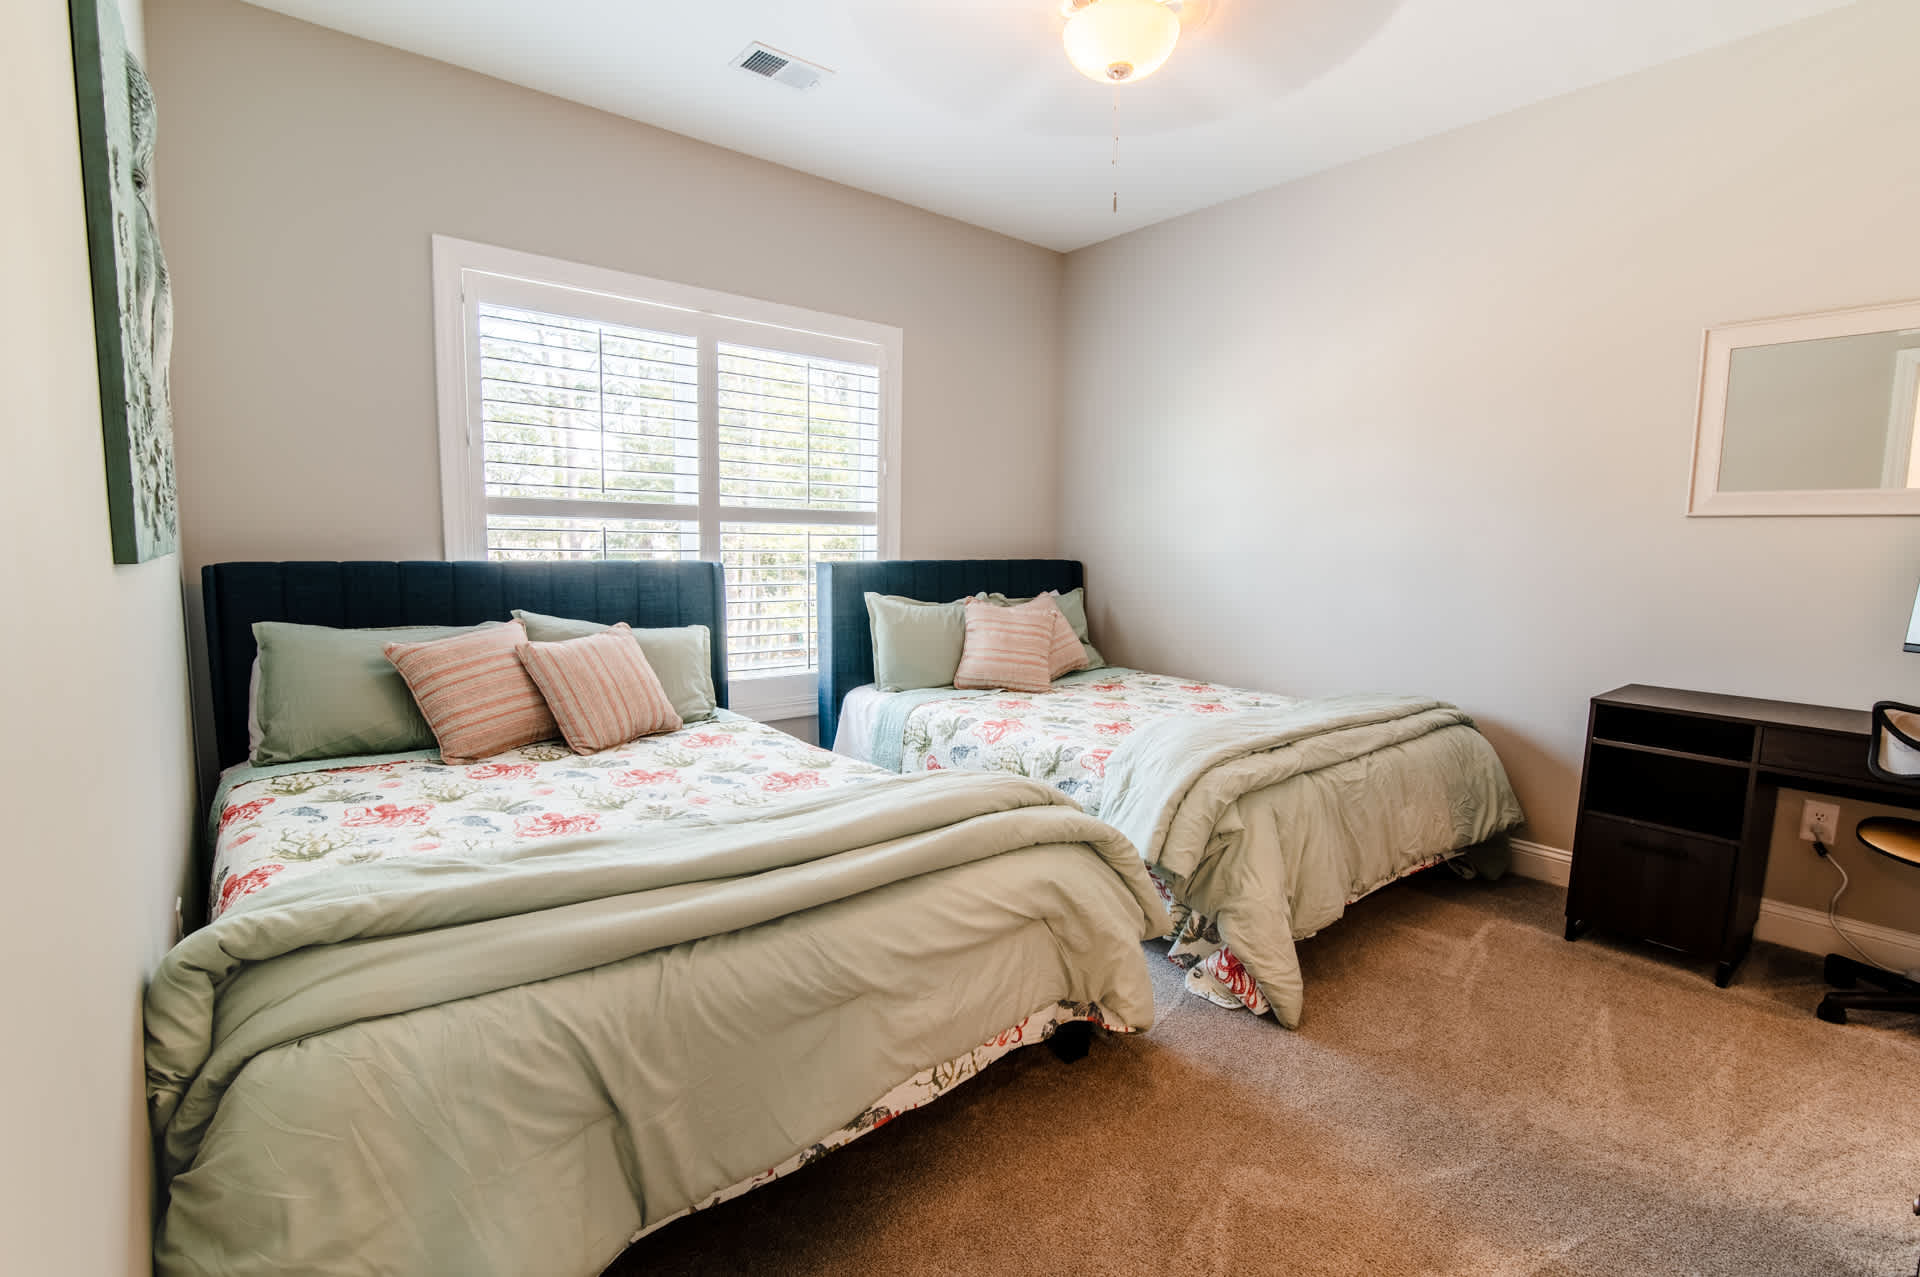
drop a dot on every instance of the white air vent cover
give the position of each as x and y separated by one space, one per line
781 68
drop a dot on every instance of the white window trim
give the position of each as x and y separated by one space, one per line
462 269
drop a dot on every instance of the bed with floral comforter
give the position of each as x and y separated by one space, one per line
1261 816
506 1017
278 824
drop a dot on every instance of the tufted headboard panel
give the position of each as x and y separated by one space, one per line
846 639
369 594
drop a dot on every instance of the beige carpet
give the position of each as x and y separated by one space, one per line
1469 1094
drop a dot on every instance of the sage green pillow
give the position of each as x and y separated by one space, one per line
915 643
681 657
330 693
1074 604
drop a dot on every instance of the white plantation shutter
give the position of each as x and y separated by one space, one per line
797 434
770 588
576 410
604 425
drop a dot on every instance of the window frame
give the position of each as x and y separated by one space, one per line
467 273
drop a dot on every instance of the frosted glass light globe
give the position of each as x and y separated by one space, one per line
1119 41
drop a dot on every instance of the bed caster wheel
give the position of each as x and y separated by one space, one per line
1831 1011
1070 1041
1576 928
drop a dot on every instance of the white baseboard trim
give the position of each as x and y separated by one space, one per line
1809 930
1540 862
1780 923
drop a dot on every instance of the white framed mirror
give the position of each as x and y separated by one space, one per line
1810 415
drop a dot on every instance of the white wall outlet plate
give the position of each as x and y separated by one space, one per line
1821 821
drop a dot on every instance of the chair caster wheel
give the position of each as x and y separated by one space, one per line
1839 972
1831 1013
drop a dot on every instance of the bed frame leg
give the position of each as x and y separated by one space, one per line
1070 1041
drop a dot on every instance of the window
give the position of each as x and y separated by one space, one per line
589 414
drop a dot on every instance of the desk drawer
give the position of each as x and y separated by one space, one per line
1658 884
1822 753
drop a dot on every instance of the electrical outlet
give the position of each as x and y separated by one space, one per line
1820 820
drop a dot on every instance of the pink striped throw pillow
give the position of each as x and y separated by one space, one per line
1010 647
600 688
1066 654
474 692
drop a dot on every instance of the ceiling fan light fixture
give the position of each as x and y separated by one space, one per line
1120 41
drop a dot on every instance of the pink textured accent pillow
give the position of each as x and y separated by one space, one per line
600 688
1010 647
1066 654
474 692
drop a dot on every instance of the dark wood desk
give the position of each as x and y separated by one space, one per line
1676 810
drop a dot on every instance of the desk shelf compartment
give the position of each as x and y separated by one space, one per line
1680 734
1687 795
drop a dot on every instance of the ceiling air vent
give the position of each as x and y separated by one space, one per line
781 68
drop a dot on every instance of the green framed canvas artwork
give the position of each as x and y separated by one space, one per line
132 303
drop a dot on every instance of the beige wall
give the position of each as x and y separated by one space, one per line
304 174
1424 422
96 759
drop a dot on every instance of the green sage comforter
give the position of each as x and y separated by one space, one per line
1267 824
513 1059
1264 815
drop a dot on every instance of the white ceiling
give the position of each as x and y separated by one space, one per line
969 107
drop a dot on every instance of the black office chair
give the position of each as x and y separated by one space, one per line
1893 756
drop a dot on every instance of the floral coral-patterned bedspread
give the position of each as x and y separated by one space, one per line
1063 737
288 822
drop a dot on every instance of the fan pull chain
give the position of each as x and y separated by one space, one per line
1116 148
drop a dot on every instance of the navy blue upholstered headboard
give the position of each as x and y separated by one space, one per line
365 595
845 639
